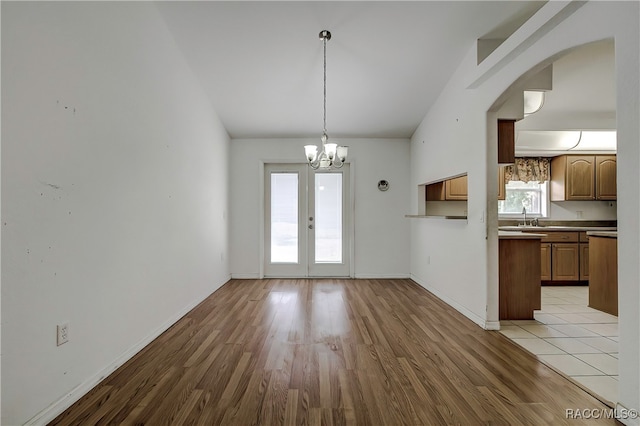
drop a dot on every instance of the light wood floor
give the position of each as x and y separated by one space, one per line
366 352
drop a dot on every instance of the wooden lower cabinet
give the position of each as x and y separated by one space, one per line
565 262
519 278
564 257
603 284
584 261
545 261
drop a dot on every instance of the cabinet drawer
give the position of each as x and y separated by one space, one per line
560 237
584 238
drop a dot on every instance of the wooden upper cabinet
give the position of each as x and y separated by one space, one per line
456 188
580 178
583 177
606 184
435 191
447 190
506 141
502 192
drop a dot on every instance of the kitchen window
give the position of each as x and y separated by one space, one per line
533 196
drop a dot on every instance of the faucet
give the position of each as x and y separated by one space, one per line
524 212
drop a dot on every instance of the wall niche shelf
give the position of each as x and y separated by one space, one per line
443 199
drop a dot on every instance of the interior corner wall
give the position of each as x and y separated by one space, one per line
448 257
451 258
381 230
114 195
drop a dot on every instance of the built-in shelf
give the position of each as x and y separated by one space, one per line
445 199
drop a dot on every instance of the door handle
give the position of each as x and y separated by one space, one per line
310 226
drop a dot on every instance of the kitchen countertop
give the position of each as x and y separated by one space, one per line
512 235
544 229
605 234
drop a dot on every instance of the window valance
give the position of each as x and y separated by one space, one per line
528 169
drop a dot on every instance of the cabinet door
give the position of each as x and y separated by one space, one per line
580 178
565 264
502 192
606 187
456 189
545 261
435 191
584 261
506 141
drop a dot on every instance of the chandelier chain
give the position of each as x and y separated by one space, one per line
330 156
324 39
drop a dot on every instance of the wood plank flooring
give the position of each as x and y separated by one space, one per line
334 352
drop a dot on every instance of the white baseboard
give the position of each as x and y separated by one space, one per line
487 325
58 407
359 276
245 276
382 276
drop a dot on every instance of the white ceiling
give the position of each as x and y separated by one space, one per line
583 95
583 98
261 62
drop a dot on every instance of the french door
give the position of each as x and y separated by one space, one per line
307 221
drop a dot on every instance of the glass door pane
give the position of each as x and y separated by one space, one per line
328 218
284 218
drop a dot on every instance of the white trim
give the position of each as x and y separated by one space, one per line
492 325
352 216
383 276
629 421
524 37
307 176
545 202
71 397
261 217
342 269
455 305
254 276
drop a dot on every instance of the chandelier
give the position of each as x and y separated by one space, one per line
331 156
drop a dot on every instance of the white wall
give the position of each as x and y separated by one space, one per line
584 210
381 230
114 195
453 139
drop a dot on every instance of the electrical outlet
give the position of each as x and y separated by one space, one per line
63 333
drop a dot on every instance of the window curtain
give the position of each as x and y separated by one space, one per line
528 170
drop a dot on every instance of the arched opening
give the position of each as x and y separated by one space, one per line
577 88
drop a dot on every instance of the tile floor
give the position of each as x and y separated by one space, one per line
576 340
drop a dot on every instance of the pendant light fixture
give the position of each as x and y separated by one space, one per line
331 156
